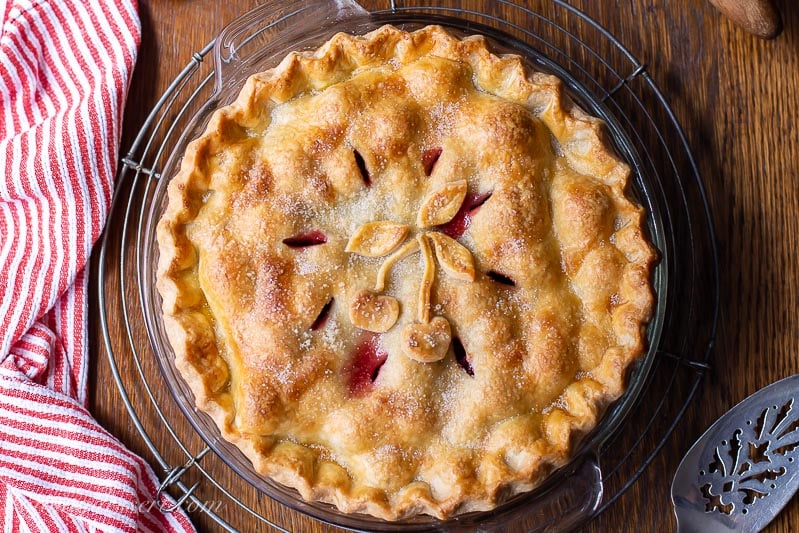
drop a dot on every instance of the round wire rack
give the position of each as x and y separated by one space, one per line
610 75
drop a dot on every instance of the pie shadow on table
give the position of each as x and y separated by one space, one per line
690 313
737 228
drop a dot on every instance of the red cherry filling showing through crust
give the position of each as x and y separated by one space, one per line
367 179
501 278
365 365
321 320
304 240
429 159
461 357
456 227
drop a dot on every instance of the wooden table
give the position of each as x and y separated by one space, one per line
737 98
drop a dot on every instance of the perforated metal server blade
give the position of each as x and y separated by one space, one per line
740 474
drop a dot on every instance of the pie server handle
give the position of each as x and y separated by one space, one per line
758 17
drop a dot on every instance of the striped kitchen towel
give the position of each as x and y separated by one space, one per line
65 66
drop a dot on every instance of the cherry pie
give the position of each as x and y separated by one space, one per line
401 274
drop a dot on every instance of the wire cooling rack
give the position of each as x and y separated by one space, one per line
612 77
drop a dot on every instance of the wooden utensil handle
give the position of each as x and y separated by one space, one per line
759 17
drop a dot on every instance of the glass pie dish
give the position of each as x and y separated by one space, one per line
256 42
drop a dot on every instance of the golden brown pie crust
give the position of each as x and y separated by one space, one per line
501 343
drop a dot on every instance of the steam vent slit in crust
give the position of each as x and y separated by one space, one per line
401 274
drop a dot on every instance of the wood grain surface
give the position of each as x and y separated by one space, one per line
737 98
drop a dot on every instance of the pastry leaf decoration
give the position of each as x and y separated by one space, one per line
376 239
440 206
455 259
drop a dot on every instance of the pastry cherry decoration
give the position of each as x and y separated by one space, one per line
321 319
304 240
429 159
461 357
501 278
443 216
365 365
456 227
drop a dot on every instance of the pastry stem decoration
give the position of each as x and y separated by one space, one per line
428 339
428 276
407 249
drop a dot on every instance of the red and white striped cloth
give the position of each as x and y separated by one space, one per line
65 66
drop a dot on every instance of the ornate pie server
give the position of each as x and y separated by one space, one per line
741 473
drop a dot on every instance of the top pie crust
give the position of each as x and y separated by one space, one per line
500 345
